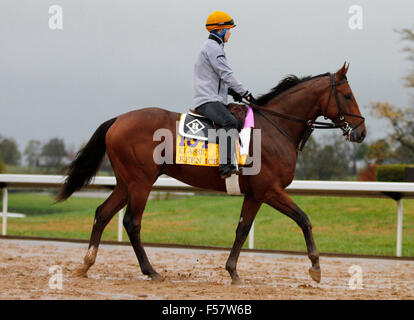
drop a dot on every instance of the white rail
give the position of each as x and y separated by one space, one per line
396 191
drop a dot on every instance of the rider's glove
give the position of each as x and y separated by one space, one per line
236 97
249 97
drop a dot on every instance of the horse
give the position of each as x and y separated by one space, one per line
284 115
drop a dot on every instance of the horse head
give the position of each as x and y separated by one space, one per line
339 104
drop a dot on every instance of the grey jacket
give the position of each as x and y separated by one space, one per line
212 74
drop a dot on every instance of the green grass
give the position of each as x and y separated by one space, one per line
341 225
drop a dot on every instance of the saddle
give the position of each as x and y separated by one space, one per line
194 125
239 111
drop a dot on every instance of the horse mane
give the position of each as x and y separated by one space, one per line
283 85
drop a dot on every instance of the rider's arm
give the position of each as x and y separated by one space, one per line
219 63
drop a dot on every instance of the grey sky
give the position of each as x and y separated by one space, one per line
115 56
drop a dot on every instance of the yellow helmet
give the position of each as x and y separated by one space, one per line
219 20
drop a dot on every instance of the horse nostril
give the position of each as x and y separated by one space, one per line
363 134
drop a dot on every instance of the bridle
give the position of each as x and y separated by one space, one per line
344 125
311 124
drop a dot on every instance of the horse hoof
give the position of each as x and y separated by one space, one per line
80 273
156 277
315 274
236 281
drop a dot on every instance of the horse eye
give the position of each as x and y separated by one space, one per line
348 96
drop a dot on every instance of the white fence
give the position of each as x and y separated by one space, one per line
396 191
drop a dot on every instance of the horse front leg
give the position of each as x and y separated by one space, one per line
248 213
283 203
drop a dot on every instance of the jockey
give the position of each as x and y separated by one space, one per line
214 80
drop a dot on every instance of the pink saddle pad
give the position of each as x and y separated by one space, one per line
249 121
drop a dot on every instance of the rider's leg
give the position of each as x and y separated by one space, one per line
219 114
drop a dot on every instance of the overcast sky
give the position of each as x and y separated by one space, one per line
115 56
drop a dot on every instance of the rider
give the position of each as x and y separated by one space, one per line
214 80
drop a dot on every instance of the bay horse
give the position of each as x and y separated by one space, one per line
283 115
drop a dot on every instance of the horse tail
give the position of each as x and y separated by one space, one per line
86 163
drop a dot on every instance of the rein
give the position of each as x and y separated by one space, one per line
311 124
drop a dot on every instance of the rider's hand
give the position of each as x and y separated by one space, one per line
249 97
236 97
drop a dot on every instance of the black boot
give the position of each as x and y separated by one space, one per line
228 168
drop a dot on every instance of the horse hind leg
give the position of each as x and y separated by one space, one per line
104 213
138 195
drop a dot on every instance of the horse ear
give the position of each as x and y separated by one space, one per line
346 69
342 72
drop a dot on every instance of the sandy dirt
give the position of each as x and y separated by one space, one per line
191 274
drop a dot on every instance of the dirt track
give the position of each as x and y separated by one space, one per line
189 274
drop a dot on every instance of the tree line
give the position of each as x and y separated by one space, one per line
48 157
50 154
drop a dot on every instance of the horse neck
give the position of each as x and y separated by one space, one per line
298 102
